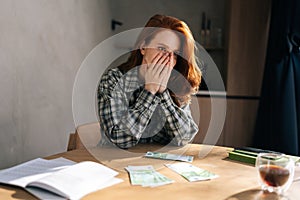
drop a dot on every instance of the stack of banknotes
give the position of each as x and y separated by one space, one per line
147 176
191 172
168 156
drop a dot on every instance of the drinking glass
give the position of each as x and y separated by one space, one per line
275 172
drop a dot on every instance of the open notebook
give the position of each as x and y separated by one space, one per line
59 178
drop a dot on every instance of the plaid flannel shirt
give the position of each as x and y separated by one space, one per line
129 114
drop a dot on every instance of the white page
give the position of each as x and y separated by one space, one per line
27 172
44 194
78 180
63 161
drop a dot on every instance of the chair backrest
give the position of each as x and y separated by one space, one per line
86 136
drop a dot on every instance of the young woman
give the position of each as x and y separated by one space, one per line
146 99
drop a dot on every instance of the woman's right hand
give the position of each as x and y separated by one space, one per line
156 72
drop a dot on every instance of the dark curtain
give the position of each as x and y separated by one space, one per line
278 117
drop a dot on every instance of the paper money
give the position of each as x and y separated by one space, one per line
146 176
168 156
191 172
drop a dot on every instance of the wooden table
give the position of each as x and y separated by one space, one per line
236 181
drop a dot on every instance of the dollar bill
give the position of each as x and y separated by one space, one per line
147 176
191 172
168 156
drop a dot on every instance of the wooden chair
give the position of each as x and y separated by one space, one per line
85 136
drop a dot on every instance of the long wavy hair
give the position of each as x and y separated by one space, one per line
186 77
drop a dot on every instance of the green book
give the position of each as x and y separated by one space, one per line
249 157
243 157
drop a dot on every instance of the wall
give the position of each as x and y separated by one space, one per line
189 11
42 46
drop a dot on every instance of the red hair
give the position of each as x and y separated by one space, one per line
186 65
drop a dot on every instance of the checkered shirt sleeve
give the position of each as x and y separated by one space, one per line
122 123
179 126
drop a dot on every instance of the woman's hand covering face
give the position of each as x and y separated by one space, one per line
158 71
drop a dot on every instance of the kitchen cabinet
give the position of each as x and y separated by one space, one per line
245 44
